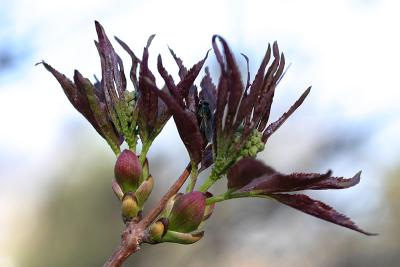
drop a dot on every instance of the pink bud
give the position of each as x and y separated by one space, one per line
128 171
187 212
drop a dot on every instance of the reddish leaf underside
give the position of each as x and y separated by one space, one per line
251 175
277 182
317 209
245 170
186 123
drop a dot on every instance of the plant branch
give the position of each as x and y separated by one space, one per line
172 191
134 233
131 239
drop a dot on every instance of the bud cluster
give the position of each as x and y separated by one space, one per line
181 218
133 183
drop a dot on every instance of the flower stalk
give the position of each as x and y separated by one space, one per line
193 177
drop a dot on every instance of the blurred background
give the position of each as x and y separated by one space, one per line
56 203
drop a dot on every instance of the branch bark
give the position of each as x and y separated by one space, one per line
172 191
135 231
130 243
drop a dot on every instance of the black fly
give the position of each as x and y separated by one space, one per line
206 120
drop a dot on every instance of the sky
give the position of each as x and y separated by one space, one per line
347 50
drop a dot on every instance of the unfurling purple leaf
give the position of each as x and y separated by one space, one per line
67 85
186 83
98 109
233 79
135 62
182 102
277 182
222 95
74 95
263 107
208 91
113 80
271 84
248 71
169 81
147 100
182 68
186 123
163 113
192 100
336 182
89 102
318 209
275 125
255 90
251 175
151 111
207 158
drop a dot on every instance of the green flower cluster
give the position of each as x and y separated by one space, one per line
253 145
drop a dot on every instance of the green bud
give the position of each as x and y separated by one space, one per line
182 238
253 151
158 230
254 139
129 96
130 207
128 171
129 110
260 146
253 145
144 190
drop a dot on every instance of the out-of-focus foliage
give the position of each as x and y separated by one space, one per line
79 225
